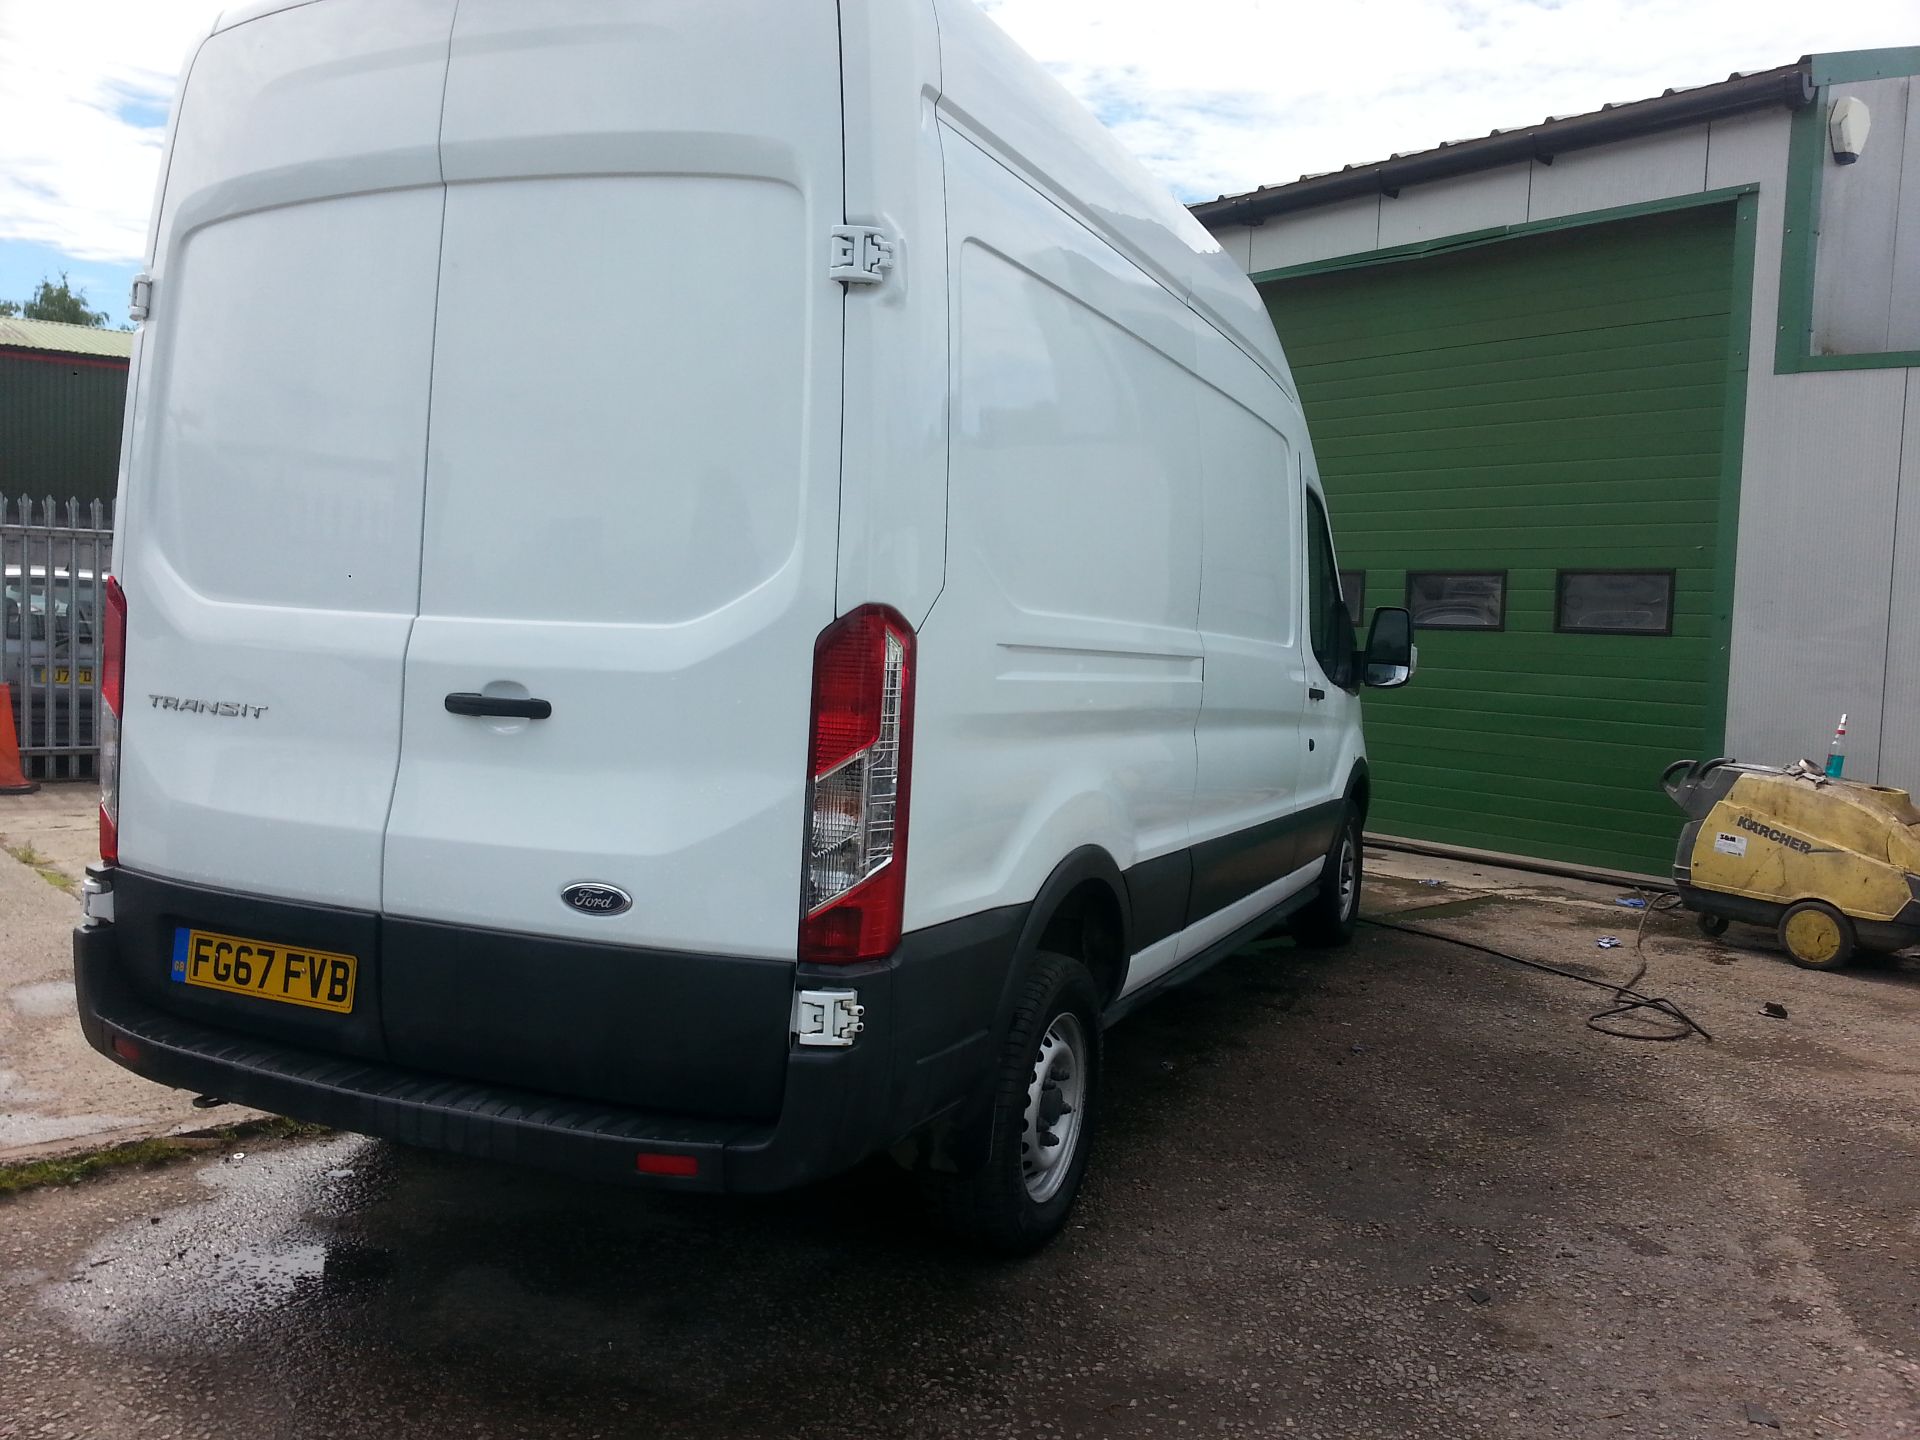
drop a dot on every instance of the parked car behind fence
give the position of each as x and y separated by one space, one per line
53 566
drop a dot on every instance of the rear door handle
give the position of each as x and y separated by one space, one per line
466 702
1314 692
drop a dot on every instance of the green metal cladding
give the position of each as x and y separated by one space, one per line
1554 401
60 426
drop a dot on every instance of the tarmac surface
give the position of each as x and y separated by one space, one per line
1399 1190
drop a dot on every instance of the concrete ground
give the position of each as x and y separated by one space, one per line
56 1094
1396 1190
60 822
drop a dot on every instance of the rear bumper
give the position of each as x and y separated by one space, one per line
929 1013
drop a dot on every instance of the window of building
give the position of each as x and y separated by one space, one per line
1353 589
1458 600
1615 602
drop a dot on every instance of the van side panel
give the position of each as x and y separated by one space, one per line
1060 670
270 538
1249 722
1051 523
1251 437
1245 823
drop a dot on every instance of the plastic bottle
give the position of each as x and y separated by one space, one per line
1837 755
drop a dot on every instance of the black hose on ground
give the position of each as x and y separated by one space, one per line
1627 1000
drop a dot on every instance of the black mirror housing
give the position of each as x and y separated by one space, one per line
1390 657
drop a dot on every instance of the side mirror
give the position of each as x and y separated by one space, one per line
1390 657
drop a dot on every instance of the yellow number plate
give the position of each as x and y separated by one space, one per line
62 675
317 979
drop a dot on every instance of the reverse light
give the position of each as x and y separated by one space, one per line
113 677
853 885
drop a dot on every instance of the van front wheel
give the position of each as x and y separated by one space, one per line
1329 918
1046 1093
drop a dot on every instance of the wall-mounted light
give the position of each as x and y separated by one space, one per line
1847 125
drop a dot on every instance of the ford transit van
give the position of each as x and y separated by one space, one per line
703 592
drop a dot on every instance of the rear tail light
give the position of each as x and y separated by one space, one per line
854 883
657 1162
113 678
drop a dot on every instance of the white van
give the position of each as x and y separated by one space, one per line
705 591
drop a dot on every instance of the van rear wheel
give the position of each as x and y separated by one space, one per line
1329 918
1046 1094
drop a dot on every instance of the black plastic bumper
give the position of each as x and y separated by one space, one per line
930 1010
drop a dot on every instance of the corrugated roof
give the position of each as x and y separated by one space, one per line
1788 85
65 338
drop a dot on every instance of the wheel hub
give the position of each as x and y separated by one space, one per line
1055 1098
1813 936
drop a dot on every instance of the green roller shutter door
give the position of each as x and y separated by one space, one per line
1541 404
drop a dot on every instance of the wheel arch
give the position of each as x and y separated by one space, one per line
1082 910
1360 788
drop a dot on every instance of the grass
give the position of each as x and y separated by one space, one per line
42 866
72 1169
147 1154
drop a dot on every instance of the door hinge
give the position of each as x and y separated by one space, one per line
96 897
827 1017
140 304
860 255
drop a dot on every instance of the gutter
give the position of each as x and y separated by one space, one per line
65 357
1790 86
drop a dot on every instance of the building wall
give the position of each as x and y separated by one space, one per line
1827 576
60 425
1870 232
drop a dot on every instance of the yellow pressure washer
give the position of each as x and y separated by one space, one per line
1832 864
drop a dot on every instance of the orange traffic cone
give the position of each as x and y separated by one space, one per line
13 780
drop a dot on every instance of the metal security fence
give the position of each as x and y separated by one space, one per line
53 560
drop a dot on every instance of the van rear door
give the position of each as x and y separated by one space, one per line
632 478
270 542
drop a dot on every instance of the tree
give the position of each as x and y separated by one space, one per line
56 302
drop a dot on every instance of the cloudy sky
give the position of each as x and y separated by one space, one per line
1214 95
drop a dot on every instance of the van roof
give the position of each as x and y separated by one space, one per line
1001 93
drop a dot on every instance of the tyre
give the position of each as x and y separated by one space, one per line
1046 1096
1711 926
1328 920
1817 936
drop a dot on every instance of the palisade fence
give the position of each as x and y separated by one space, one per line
53 559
